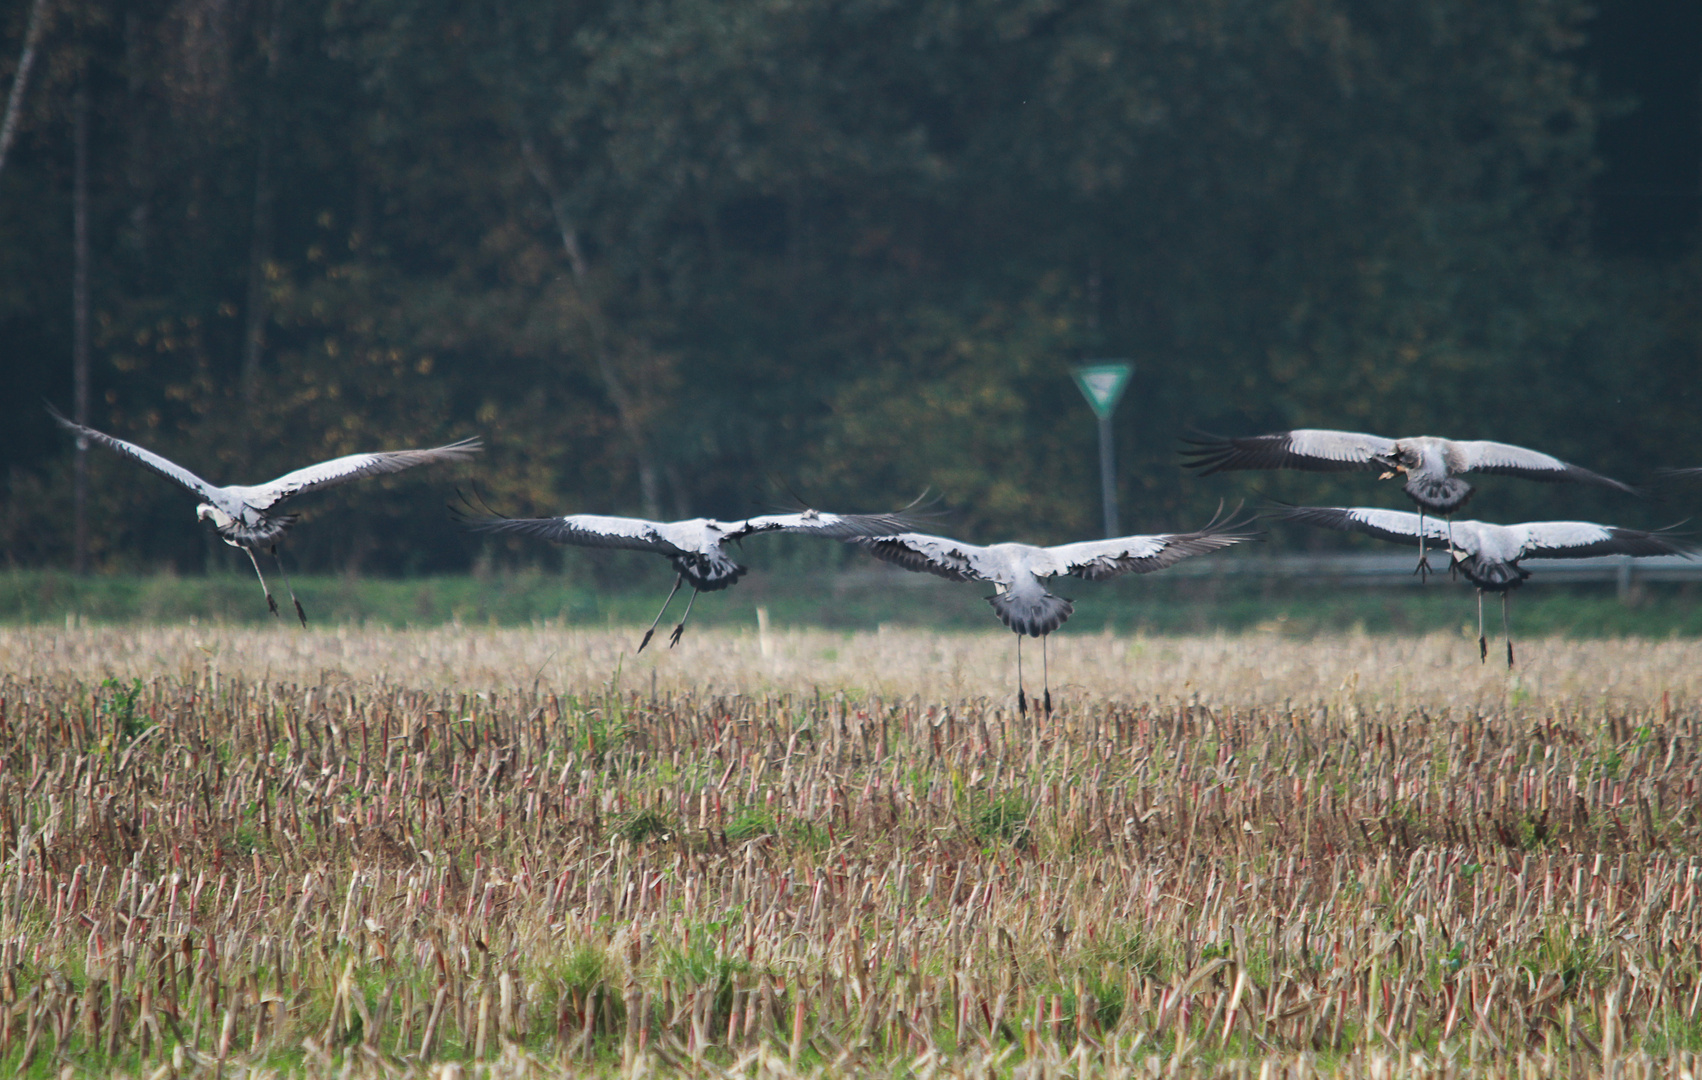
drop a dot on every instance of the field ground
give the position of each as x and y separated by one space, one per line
525 852
617 590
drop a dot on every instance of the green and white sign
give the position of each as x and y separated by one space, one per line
1102 383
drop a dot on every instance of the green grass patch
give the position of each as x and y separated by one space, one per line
1002 819
851 600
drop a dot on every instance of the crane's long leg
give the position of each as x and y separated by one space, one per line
1423 568
1021 699
1453 563
1482 642
678 579
1505 633
674 638
300 614
1045 677
271 603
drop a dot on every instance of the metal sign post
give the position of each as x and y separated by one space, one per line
1102 382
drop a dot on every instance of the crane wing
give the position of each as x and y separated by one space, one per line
1578 539
1304 448
1396 525
1097 560
1506 460
582 530
352 467
833 526
939 555
168 469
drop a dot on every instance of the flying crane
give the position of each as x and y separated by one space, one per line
1018 571
696 547
1488 555
246 517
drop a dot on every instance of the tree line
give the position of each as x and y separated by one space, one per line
674 257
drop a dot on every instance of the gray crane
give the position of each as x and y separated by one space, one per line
696 547
1018 571
246 517
1488 555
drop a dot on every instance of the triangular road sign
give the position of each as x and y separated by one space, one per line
1102 383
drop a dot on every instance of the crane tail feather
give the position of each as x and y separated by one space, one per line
1030 613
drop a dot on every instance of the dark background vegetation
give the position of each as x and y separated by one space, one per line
679 256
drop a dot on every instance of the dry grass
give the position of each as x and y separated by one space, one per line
392 853
1391 672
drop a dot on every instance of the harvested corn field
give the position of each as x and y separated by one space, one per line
516 852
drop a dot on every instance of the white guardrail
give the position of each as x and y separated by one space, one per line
1624 571
1384 570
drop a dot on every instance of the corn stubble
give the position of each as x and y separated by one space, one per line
212 871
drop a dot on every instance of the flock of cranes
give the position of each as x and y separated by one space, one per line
1487 555
1432 466
248 517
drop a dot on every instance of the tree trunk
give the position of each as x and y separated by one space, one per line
260 237
20 81
649 479
80 324
259 254
136 170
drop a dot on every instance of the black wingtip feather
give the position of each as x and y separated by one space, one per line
1667 541
461 516
59 416
493 521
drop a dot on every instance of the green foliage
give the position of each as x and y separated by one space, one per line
644 825
583 976
1529 833
1576 959
584 970
751 822
702 964
602 727
1000 818
1108 964
655 252
117 712
1110 997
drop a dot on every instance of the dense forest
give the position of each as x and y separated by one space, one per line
698 256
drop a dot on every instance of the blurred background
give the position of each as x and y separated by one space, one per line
678 257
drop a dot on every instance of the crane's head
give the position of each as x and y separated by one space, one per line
209 512
1398 460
